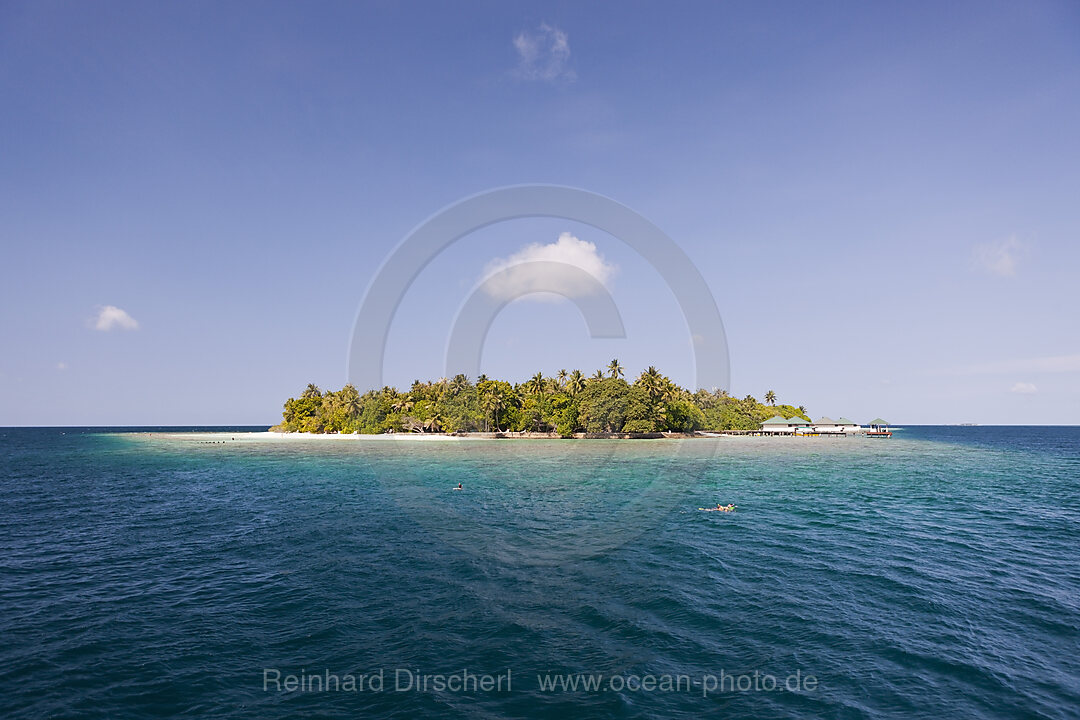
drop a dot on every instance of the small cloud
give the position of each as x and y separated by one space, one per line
61 366
521 275
111 317
998 258
1024 388
544 55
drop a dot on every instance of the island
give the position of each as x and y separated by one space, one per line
567 404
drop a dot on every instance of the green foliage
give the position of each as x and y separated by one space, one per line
375 417
565 415
602 405
643 414
458 406
565 404
498 404
684 416
787 412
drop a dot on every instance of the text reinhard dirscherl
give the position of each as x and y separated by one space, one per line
403 680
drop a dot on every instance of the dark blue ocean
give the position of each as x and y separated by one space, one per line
164 572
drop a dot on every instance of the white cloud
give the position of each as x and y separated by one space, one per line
523 276
61 366
998 258
111 317
1024 388
544 55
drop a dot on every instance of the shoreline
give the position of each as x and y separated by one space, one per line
530 435
268 435
489 436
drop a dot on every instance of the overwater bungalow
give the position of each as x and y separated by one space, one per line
828 426
784 426
778 425
878 428
848 426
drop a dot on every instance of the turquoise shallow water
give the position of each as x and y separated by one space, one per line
933 574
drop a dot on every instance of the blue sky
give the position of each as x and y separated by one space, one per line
884 199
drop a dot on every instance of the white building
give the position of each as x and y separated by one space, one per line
784 426
848 426
828 426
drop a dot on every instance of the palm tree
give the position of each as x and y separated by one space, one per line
576 383
535 386
312 391
402 405
615 368
492 404
652 382
561 377
770 397
598 375
486 407
481 378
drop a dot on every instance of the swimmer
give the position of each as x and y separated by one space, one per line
459 487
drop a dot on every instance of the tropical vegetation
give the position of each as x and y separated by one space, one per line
568 403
